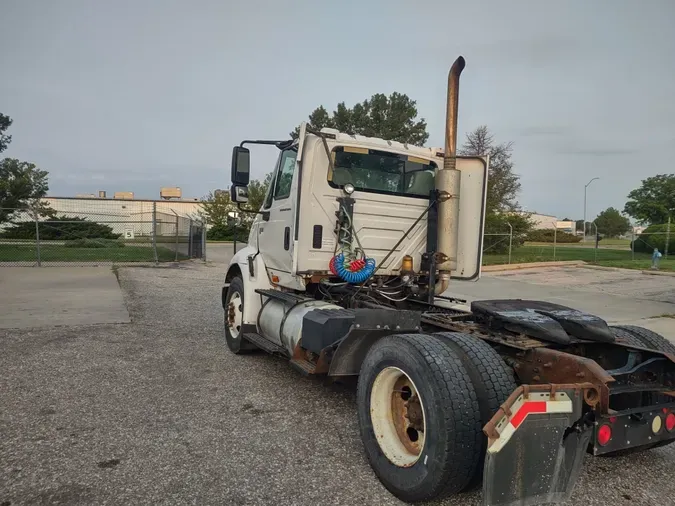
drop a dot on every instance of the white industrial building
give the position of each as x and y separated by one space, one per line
547 221
129 216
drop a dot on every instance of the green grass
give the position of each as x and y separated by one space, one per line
59 253
605 257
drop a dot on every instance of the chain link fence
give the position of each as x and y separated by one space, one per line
108 232
631 251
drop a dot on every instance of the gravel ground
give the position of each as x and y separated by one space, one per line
158 411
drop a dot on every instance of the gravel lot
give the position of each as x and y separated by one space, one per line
158 411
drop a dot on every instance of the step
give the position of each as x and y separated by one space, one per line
304 366
265 344
286 297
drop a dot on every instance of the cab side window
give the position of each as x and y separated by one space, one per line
284 179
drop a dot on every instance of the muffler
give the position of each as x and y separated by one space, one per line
448 181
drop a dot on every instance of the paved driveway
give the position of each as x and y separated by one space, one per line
619 296
48 296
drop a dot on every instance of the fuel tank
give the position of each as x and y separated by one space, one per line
281 321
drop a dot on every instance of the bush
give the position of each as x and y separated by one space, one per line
549 235
62 228
227 233
94 243
496 238
654 236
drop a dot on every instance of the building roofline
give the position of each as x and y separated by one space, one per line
98 199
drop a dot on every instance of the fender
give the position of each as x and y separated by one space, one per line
239 266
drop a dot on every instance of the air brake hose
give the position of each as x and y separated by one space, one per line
353 277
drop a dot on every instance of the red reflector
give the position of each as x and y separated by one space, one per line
604 435
612 419
670 422
526 409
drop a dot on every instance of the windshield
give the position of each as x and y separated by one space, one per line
382 172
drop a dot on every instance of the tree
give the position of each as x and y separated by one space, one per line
22 185
392 118
5 123
217 206
498 232
257 190
64 228
653 201
503 183
654 236
611 223
579 225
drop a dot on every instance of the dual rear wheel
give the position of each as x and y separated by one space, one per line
423 401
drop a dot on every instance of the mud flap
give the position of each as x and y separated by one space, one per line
536 447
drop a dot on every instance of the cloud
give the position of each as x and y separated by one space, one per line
599 151
539 50
542 131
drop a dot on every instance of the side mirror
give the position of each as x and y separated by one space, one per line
239 194
240 166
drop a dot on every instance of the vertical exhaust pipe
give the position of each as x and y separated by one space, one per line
448 184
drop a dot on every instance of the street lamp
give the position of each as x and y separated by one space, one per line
585 188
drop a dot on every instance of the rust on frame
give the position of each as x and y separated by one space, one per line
549 366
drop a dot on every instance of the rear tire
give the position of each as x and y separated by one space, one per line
491 378
234 318
413 386
648 338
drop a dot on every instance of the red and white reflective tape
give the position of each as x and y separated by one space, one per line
537 403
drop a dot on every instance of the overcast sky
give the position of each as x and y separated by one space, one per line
133 95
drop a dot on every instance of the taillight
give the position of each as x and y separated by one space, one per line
604 435
657 424
670 422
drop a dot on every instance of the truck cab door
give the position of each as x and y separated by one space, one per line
275 229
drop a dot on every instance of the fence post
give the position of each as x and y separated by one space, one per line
665 253
190 239
510 240
595 251
154 231
174 212
37 238
204 241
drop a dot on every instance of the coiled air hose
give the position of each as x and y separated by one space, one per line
353 277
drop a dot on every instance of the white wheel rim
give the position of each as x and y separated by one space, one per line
397 415
234 314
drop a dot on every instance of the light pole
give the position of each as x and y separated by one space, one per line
585 188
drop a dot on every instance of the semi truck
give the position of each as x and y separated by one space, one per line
346 274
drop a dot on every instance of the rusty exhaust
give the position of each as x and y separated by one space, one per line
449 159
448 185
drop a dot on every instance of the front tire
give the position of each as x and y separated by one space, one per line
419 417
234 318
